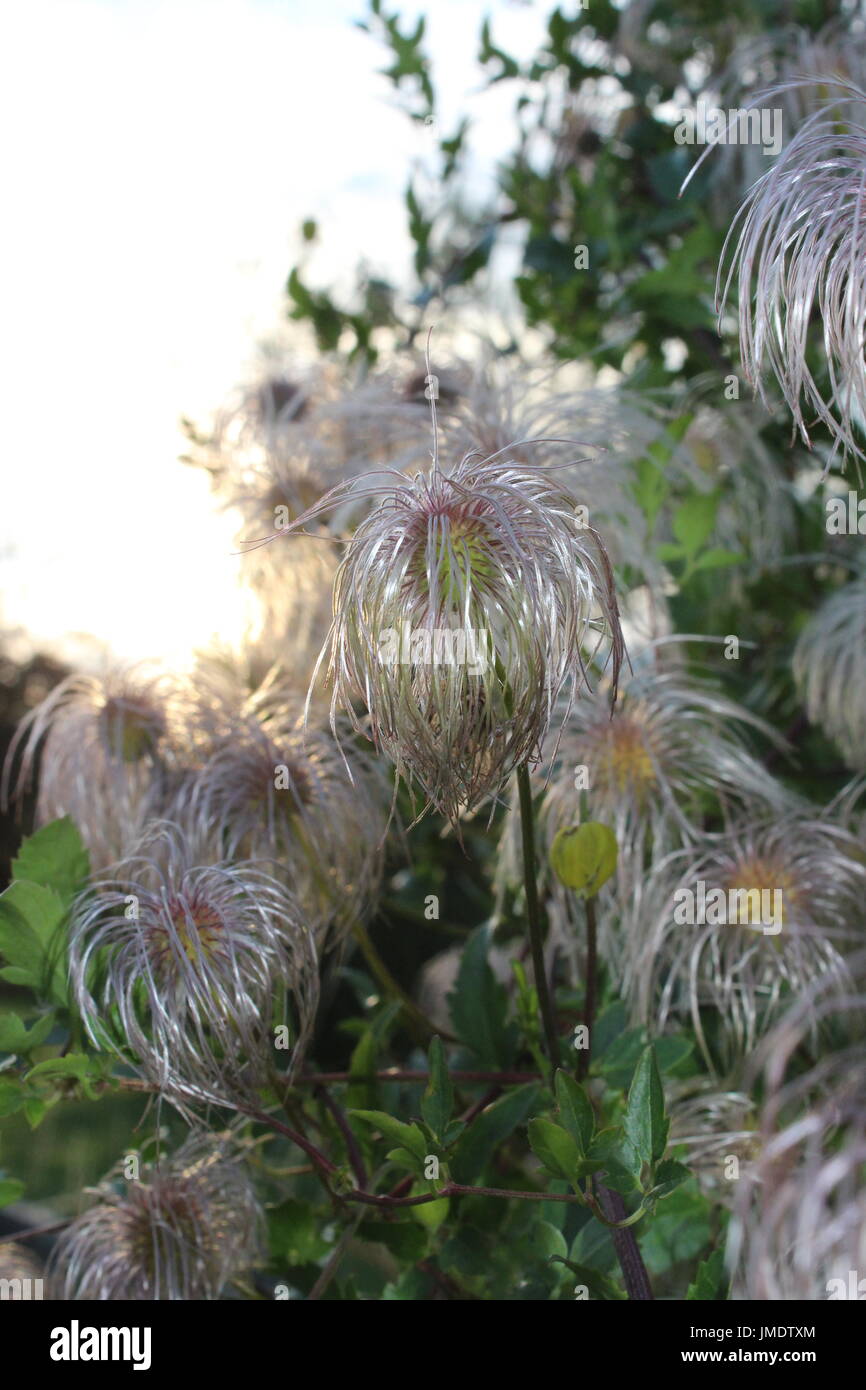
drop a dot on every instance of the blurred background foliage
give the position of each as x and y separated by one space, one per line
594 165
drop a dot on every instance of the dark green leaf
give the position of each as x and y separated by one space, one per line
575 1111
437 1102
597 1285
645 1124
555 1147
479 1005
621 1162
668 1176
404 1136
489 1129
711 1280
405 1239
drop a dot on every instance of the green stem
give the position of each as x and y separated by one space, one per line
589 996
533 916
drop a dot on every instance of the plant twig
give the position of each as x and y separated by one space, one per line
533 917
35 1231
625 1244
356 1158
591 973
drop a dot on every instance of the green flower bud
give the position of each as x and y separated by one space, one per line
584 857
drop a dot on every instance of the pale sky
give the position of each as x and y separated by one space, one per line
158 159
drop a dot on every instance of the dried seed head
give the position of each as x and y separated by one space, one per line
801 249
786 908
182 1232
799 1222
269 790
830 670
466 604
674 750
108 751
184 971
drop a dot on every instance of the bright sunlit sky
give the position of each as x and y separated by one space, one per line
158 161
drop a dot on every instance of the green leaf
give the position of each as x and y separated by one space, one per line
618 1063
12 1096
404 1136
645 1124
294 1233
437 1102
19 943
680 1229
35 1110
479 1006
668 1176
489 1129
54 857
362 1095
16 976
672 1050
402 1158
593 1245
548 1243
575 1111
555 1147
716 558
31 919
405 1239
711 1280
619 1158
10 1190
597 1285
16 1038
411 1287
75 1065
694 520
649 489
610 1025
431 1214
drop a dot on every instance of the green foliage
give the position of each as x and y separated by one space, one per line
711 1281
437 1103
50 868
479 1007
644 1124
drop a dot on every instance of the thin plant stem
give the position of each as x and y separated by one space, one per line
328 1078
533 916
591 974
625 1244
337 1254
